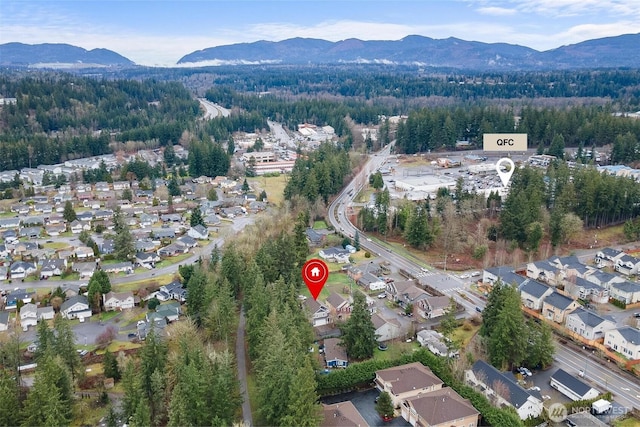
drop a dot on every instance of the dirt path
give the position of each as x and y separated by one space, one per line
242 370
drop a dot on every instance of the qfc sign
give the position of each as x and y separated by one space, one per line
504 142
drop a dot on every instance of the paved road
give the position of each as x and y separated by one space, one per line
625 388
242 370
212 110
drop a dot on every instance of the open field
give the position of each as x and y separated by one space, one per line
273 185
137 284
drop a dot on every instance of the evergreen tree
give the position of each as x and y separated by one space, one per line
356 241
110 366
9 400
50 398
196 217
69 214
99 284
65 346
212 195
507 342
303 410
245 186
417 231
173 187
358 332
123 243
169 155
384 405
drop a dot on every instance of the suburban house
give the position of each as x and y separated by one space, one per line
532 293
314 238
335 254
343 414
588 324
607 257
118 300
46 313
371 282
187 242
52 267
11 300
76 308
435 342
406 381
411 295
85 269
544 271
432 307
83 252
169 311
21 269
504 274
28 316
627 265
586 290
556 306
625 340
571 386
335 355
339 308
502 389
386 329
318 313
627 292
198 232
440 408
4 321
120 267
604 279
570 266
173 290
172 249
147 259
78 227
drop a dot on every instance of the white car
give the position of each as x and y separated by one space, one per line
525 371
464 276
382 295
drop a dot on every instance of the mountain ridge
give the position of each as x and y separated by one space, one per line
611 52
413 50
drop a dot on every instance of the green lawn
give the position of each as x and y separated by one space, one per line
272 185
395 350
319 225
464 336
134 285
173 260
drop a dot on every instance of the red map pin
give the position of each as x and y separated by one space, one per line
315 273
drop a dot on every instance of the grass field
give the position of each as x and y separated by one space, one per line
137 284
272 185
319 225
395 350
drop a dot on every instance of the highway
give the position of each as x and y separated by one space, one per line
601 375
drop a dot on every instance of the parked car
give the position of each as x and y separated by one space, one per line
382 295
524 371
636 315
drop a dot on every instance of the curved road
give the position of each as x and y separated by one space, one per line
625 388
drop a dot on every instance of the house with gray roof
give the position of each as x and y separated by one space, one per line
589 324
314 238
624 340
504 274
604 279
502 389
28 316
120 267
4 320
386 329
544 271
317 313
627 292
556 306
627 265
607 257
9 222
584 289
335 254
532 293
76 308
572 387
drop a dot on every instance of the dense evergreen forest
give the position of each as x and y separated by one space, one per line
586 126
61 116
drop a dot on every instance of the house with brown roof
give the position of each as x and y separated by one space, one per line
318 314
440 408
339 307
386 329
335 355
343 414
432 306
118 300
407 381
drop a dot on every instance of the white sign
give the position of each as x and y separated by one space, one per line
504 142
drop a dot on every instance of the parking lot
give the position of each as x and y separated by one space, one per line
364 401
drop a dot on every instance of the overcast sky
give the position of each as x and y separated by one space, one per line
160 32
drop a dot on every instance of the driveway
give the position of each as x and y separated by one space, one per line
364 401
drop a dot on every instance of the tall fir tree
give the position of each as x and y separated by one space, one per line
358 332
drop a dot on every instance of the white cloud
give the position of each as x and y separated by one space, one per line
496 11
